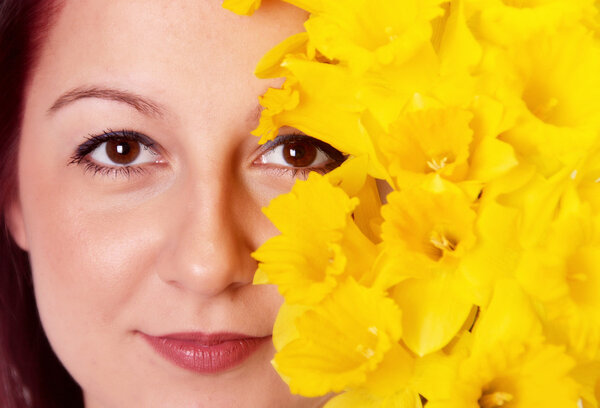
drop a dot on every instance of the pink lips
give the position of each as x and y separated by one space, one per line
206 353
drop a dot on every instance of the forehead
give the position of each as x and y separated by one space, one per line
184 50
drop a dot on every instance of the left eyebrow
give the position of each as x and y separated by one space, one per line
139 103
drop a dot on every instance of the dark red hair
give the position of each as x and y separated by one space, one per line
30 373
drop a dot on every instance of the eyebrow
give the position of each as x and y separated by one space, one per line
139 103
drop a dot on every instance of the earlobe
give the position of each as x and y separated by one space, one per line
15 223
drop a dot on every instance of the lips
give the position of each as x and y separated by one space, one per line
206 353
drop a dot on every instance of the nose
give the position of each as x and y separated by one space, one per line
208 253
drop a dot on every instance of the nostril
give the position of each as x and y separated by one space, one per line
220 262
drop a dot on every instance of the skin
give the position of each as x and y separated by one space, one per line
165 251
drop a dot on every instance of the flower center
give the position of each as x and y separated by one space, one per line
436 164
494 400
545 110
542 102
442 242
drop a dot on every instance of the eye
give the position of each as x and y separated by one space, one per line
120 153
123 152
298 152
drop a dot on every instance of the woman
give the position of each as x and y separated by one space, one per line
132 193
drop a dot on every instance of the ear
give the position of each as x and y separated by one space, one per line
15 223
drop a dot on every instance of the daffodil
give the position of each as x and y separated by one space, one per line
509 21
362 33
271 64
405 398
496 253
490 158
592 20
432 225
458 144
456 45
352 177
476 284
588 375
585 178
339 340
427 233
391 384
572 188
433 141
276 103
556 90
562 273
504 362
244 7
319 243
386 91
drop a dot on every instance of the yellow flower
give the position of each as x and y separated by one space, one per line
319 242
458 49
585 178
458 144
297 46
363 399
588 375
352 177
361 33
562 273
572 188
385 91
505 362
489 158
556 91
276 102
434 310
427 233
592 20
477 284
432 223
271 64
244 7
339 341
496 253
429 141
284 329
389 385
509 21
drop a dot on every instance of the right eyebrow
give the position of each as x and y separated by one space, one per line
141 104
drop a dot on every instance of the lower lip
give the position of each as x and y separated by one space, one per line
206 359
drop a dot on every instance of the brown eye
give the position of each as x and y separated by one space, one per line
299 153
122 151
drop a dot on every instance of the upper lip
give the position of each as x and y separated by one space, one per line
207 339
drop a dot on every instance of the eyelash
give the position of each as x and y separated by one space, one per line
335 155
93 141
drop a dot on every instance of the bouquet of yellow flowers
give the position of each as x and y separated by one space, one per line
477 282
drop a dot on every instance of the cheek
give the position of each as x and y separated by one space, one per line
87 260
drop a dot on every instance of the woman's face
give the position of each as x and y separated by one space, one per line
140 255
